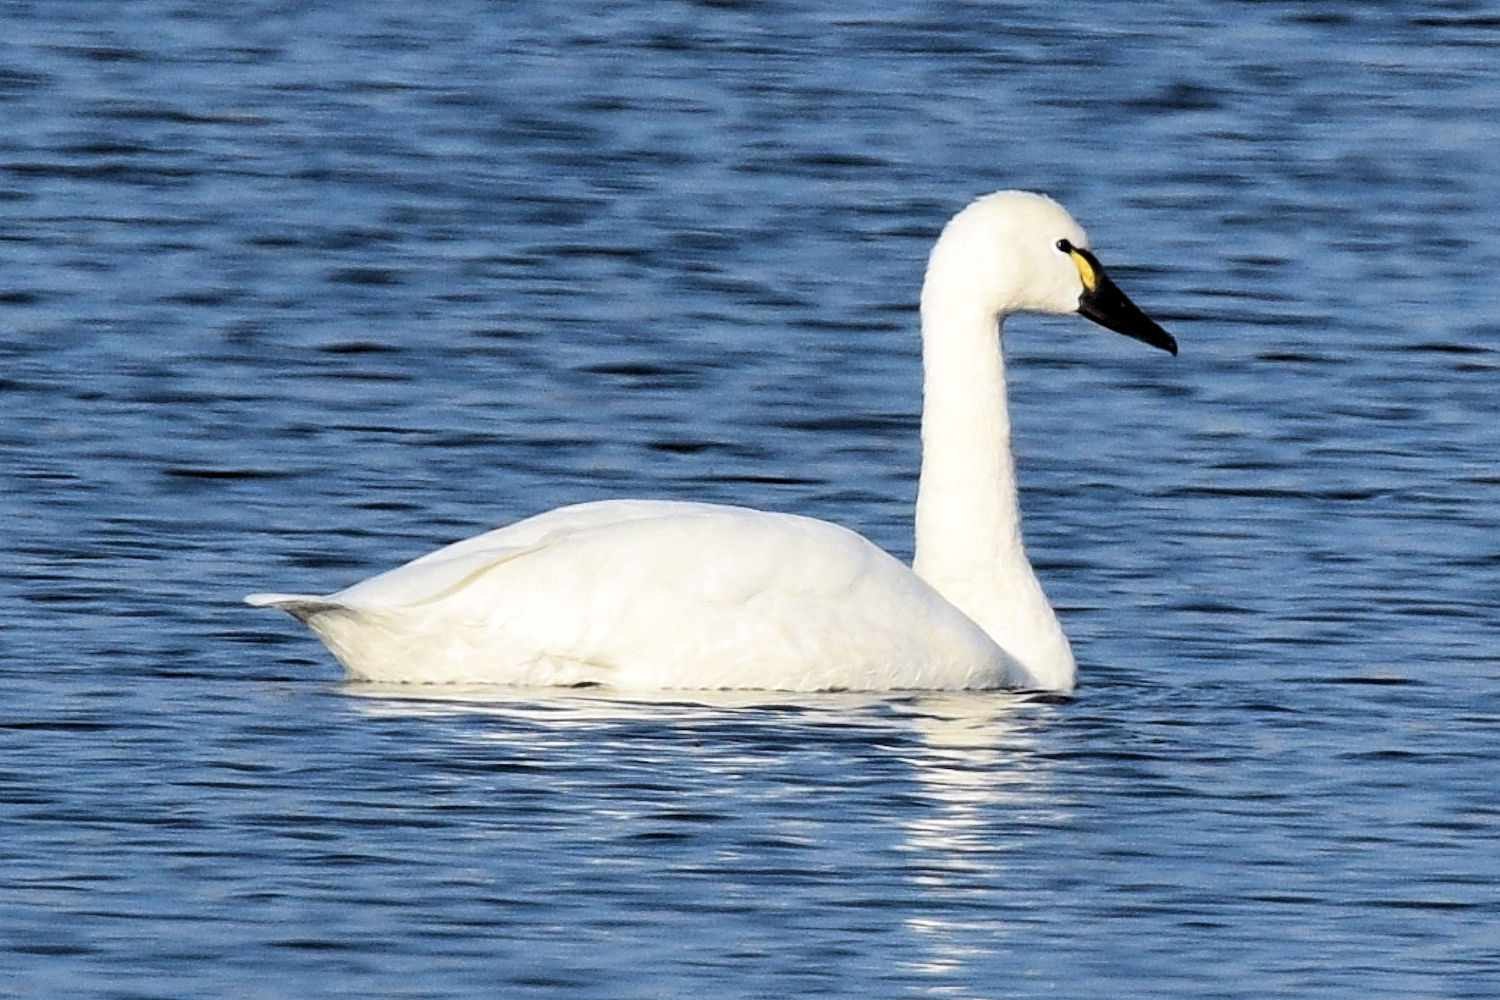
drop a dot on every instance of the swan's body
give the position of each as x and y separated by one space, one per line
674 595
651 594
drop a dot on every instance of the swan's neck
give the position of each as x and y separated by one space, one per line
968 513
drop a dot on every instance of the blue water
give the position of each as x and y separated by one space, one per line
290 293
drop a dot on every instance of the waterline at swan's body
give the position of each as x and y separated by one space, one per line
651 594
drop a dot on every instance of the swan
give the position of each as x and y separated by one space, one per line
647 594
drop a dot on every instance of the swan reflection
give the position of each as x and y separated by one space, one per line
922 818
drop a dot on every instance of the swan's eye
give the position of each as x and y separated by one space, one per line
1064 246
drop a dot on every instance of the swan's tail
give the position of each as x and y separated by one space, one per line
300 606
361 639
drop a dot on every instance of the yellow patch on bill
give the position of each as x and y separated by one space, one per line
1085 270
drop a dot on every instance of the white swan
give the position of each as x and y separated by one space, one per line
652 594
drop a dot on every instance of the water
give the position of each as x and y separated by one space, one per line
291 293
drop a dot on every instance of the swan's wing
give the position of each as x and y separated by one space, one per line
645 594
430 577
692 595
562 521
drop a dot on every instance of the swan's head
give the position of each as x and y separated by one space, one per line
1015 251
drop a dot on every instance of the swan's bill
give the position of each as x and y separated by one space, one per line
1104 303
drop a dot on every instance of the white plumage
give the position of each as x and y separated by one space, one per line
638 594
649 594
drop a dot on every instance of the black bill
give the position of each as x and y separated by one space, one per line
1104 303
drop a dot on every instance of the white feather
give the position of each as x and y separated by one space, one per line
638 594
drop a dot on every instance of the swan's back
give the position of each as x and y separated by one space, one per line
648 594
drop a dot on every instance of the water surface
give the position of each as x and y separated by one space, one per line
292 293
